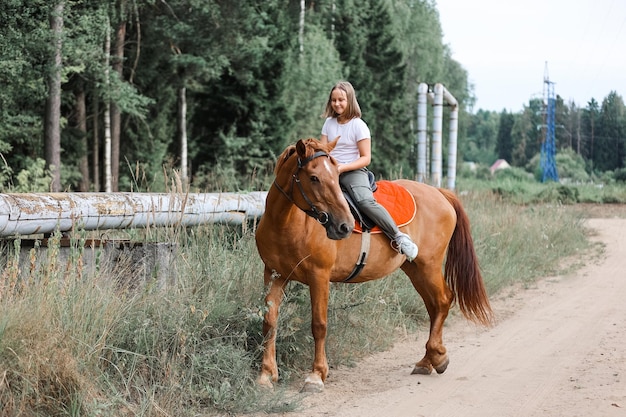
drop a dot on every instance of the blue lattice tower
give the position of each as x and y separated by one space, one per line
548 147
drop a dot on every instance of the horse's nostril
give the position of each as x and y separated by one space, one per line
345 228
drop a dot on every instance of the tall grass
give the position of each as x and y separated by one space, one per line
519 243
76 341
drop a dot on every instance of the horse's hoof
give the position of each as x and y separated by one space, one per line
313 385
265 382
310 388
422 370
441 368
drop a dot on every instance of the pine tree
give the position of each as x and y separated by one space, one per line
504 143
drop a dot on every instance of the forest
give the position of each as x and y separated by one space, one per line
118 95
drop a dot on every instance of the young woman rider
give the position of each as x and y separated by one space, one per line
353 152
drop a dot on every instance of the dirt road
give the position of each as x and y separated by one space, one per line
559 349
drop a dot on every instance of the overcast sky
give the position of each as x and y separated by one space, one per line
504 46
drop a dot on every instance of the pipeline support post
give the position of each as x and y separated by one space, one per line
439 97
436 153
422 101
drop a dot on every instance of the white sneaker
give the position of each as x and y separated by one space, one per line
403 244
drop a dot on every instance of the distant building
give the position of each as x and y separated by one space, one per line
498 165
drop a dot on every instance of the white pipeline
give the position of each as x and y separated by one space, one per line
34 213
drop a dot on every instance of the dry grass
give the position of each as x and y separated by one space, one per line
76 343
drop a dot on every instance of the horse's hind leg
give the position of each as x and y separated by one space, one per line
429 282
275 286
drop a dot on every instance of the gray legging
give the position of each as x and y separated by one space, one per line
357 184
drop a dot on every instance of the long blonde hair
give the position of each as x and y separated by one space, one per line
352 110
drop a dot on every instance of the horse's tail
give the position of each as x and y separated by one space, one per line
462 269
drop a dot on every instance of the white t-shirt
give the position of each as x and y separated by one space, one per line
350 133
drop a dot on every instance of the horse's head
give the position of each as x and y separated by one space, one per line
317 191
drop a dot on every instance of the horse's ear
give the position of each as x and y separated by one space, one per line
301 149
331 145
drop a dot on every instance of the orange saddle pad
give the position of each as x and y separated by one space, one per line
398 202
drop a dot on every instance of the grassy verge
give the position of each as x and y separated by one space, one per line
78 343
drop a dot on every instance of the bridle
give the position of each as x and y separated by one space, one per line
321 216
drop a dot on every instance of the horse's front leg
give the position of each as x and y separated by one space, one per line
275 286
319 291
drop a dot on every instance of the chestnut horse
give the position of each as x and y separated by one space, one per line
305 234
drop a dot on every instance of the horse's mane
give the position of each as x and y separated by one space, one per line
312 145
283 157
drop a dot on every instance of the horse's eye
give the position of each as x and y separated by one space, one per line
314 179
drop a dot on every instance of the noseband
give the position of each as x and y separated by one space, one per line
320 216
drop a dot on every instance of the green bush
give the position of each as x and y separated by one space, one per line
571 166
558 193
33 180
620 175
512 174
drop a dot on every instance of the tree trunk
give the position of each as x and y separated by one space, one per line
591 156
301 31
333 8
81 125
182 129
114 126
52 128
578 131
116 117
107 114
95 152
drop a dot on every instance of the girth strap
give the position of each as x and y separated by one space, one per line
365 248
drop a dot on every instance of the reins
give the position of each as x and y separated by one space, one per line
320 216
